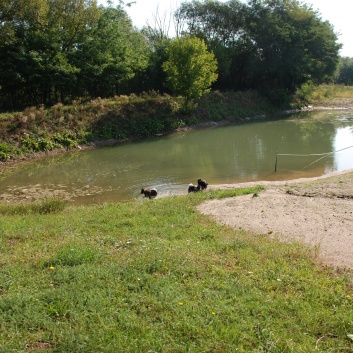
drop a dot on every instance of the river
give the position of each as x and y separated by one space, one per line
299 145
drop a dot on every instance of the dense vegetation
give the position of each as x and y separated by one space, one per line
344 73
55 51
273 46
157 276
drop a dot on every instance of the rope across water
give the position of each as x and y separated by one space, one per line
322 155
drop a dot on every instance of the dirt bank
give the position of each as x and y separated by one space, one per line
317 211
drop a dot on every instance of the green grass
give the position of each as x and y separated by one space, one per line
158 276
323 92
50 205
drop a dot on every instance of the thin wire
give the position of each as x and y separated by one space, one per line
319 159
312 154
323 155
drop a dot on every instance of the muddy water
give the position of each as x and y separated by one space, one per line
304 145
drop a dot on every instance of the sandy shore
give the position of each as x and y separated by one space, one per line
316 211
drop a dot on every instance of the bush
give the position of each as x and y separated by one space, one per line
304 94
68 139
6 152
29 144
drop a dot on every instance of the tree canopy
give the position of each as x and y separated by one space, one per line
270 45
190 68
60 50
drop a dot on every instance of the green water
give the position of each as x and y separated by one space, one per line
228 154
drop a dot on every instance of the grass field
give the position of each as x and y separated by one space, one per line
325 92
157 276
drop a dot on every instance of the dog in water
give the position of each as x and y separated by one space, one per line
193 188
150 193
202 184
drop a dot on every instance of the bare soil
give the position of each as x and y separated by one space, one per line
317 212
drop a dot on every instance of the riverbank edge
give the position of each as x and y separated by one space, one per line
281 183
202 125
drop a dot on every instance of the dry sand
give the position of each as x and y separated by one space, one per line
317 211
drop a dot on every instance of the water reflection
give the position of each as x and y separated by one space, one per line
343 144
229 154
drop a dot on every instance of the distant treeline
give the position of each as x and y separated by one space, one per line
71 50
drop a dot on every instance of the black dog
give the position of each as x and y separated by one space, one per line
202 184
149 192
193 188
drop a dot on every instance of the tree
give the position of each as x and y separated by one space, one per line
110 55
39 36
293 45
154 78
190 68
58 50
273 46
221 26
345 71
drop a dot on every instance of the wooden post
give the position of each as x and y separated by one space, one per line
276 163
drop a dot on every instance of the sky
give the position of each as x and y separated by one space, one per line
337 12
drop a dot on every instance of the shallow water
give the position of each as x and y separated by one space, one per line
306 145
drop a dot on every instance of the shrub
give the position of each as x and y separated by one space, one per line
68 139
29 144
6 151
304 94
46 144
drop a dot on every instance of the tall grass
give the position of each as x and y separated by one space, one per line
49 205
157 276
332 91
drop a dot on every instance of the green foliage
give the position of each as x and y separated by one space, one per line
160 276
61 50
264 45
30 144
6 151
153 77
111 55
231 106
190 68
302 47
68 139
37 144
344 73
64 51
304 94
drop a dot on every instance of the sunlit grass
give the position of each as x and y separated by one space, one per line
158 276
50 205
332 91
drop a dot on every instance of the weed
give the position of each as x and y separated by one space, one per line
6 151
138 277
